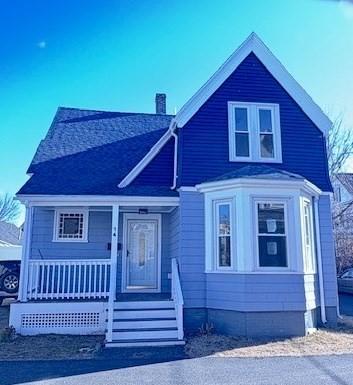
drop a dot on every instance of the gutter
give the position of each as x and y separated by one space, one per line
319 262
175 168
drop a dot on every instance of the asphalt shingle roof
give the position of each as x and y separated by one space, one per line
258 172
89 152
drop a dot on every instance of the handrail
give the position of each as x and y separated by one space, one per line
52 279
177 296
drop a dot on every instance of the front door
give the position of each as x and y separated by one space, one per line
141 253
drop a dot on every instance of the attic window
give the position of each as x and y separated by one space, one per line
71 225
254 132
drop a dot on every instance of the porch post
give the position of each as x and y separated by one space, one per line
113 269
26 247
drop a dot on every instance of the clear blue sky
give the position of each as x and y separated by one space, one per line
114 55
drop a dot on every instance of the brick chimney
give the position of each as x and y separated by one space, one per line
161 104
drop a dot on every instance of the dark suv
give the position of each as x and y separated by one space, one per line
9 276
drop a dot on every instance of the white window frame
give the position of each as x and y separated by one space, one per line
254 132
58 212
309 258
283 202
216 235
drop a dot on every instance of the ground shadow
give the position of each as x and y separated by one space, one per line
19 372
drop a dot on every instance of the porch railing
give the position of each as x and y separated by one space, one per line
177 296
68 279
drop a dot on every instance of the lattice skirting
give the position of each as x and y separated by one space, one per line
59 318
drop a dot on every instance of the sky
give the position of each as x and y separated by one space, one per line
115 55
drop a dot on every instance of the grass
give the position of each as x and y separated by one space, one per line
320 342
45 347
54 346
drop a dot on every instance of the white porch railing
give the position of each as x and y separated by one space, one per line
68 279
177 296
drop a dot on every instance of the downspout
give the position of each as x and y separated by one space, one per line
175 170
319 261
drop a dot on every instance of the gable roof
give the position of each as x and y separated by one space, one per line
253 44
88 151
10 234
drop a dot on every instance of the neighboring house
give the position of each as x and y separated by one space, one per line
10 258
342 188
342 212
10 242
146 225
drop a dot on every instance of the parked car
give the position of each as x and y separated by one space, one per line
9 276
10 259
345 282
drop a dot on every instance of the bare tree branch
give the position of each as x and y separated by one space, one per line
339 146
339 149
9 208
342 211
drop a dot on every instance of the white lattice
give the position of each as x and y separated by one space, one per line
61 320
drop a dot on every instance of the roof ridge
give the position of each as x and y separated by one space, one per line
117 112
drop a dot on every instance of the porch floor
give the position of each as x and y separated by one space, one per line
127 297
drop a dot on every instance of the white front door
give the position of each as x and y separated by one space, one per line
141 253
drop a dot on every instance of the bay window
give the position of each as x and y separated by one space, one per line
254 227
308 236
223 234
272 234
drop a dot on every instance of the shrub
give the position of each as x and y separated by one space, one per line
8 334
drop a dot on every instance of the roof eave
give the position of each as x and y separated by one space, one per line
258 182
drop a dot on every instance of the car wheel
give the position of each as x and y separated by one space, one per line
10 282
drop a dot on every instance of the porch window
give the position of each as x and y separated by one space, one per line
71 225
271 234
223 234
254 132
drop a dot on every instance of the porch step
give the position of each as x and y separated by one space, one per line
145 334
143 313
144 323
144 305
140 343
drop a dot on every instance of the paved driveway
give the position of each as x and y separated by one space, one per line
200 371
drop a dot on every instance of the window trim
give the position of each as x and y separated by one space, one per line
216 235
257 266
254 132
58 212
309 264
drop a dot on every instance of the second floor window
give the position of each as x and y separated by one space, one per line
254 132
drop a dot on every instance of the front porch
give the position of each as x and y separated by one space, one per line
86 261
